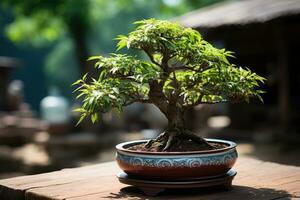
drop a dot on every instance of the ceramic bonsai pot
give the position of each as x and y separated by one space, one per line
176 165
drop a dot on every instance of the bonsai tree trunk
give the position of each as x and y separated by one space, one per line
175 119
176 133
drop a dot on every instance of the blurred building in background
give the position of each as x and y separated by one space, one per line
264 34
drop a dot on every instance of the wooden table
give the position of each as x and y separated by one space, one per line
255 180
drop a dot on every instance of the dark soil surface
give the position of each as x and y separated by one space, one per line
184 146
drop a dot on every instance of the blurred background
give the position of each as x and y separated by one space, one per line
44 45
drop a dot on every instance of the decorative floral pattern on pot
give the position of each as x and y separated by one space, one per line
191 161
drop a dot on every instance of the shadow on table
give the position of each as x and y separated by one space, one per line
237 192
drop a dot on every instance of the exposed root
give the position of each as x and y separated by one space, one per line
149 143
168 139
169 142
198 139
161 145
158 143
158 139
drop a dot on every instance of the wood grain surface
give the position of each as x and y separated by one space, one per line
255 180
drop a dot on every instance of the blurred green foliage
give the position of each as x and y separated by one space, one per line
76 29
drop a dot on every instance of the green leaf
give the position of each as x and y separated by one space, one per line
82 117
84 77
94 58
122 42
81 110
94 117
76 82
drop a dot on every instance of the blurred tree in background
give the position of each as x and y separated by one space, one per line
75 29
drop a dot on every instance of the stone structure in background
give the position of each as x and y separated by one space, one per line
15 93
6 65
17 122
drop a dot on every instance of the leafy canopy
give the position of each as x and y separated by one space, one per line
184 70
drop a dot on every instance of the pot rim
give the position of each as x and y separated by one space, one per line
122 147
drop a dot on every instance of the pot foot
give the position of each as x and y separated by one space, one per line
228 185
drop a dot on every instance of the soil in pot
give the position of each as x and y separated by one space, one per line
183 146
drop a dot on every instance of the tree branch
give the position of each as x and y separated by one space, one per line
214 102
151 57
127 78
185 67
204 102
157 96
182 68
137 100
176 92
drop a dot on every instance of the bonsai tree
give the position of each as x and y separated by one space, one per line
182 72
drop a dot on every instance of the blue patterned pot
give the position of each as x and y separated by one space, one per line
176 165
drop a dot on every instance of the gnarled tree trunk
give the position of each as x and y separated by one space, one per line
175 119
176 132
